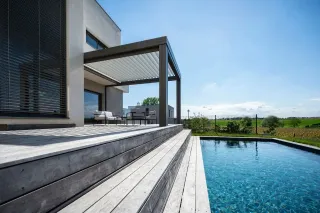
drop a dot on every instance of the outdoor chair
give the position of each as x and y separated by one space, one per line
152 116
105 116
136 114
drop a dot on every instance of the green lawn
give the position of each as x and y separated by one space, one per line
312 142
304 122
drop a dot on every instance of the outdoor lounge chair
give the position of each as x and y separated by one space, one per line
105 116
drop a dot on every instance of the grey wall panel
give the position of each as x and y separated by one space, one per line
114 101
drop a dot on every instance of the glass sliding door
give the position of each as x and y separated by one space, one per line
92 102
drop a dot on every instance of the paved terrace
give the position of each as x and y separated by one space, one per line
25 145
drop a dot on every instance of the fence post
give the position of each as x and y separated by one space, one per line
215 123
256 124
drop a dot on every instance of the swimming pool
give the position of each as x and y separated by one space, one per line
246 176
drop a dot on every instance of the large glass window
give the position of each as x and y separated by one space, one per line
92 102
94 42
33 58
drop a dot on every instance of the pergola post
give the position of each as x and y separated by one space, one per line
163 85
178 101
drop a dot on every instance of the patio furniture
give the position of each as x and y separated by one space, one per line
136 115
105 116
152 116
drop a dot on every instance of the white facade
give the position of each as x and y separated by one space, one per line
101 26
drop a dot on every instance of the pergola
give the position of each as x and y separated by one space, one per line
141 62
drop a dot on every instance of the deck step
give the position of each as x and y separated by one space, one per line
189 191
42 184
143 186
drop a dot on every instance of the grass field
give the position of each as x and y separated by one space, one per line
304 122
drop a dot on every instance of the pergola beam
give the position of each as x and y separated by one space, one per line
125 50
144 81
95 72
173 62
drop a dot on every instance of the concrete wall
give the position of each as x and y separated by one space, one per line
114 100
75 76
99 24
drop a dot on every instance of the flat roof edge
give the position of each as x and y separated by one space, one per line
108 15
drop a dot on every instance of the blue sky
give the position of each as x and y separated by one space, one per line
236 57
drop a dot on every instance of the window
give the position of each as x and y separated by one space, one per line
33 58
92 102
94 42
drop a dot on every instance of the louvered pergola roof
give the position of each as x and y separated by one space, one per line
129 64
139 63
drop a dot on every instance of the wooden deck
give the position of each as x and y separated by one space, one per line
102 169
127 190
25 145
189 192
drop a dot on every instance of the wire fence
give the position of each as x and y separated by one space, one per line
288 128
215 123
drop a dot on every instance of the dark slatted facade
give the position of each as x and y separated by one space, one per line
33 58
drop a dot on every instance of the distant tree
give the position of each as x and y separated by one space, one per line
150 101
294 122
271 122
246 124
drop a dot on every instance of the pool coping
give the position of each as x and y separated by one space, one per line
304 147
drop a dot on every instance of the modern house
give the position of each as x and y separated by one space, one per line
62 60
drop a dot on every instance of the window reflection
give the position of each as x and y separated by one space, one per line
94 42
92 102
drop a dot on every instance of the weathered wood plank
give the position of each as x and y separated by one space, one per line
73 184
202 199
93 196
30 145
132 202
157 200
174 200
188 203
114 197
20 179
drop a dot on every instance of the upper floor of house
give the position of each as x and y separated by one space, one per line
100 30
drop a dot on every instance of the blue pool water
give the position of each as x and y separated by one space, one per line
260 177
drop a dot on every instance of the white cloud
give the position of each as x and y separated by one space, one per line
209 87
247 109
314 99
